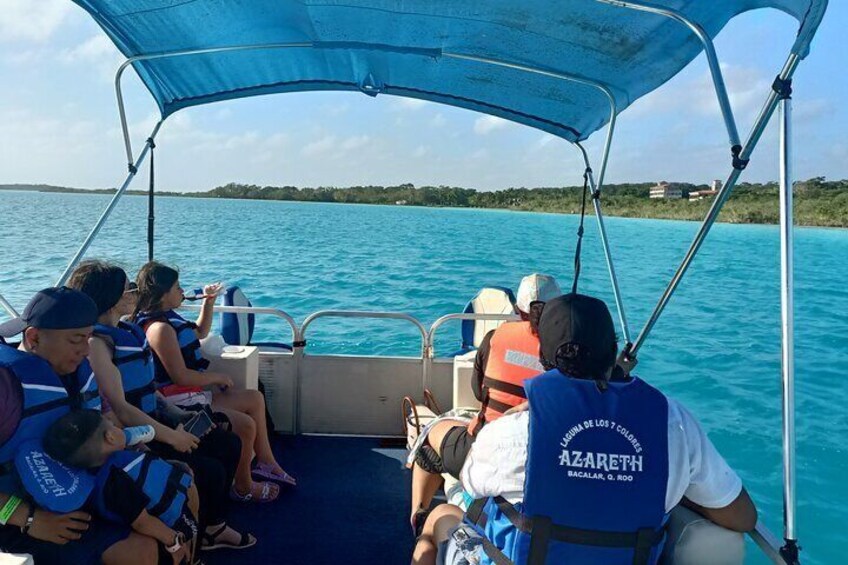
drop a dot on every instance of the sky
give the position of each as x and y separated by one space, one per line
59 122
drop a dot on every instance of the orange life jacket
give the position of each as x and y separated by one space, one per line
513 358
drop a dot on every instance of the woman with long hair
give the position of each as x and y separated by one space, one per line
181 373
123 367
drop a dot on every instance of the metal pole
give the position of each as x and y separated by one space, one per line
753 138
151 217
709 51
602 230
8 308
85 245
787 310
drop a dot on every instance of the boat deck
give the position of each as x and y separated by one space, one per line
351 505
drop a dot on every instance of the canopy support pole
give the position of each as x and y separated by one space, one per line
787 310
8 307
133 169
628 358
602 230
151 216
712 60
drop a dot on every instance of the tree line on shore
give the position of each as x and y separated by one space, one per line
818 202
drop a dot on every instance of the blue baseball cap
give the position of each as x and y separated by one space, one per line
53 485
54 308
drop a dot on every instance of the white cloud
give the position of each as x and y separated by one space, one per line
420 151
94 48
438 121
403 103
487 124
319 147
223 114
335 110
355 142
31 21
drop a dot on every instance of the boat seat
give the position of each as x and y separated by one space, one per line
237 329
490 300
694 540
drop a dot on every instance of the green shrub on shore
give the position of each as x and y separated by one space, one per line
818 202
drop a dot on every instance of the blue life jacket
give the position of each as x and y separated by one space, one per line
187 338
165 485
596 478
45 400
132 356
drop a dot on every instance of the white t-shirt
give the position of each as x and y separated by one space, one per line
495 464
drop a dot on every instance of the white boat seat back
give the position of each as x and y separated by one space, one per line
694 540
490 300
237 329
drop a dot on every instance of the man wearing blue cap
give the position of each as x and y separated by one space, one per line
45 377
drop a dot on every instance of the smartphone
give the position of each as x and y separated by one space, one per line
199 424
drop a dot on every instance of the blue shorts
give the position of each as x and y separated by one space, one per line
89 549
464 546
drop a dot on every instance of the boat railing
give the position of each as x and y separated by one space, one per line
768 543
430 351
462 317
298 333
369 315
295 331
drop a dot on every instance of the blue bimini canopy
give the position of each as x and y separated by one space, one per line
471 54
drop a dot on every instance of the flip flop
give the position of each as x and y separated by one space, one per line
266 471
264 494
209 542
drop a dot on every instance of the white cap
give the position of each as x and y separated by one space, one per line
536 287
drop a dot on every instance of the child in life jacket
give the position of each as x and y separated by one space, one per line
156 497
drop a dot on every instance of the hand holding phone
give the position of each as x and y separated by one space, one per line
199 424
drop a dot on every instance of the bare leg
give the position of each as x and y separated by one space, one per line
245 428
441 520
252 403
424 487
136 549
193 503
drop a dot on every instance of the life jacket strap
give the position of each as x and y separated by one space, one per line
143 355
89 395
173 489
497 405
192 359
496 555
541 531
134 396
47 406
506 387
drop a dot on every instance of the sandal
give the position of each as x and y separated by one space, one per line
265 495
266 471
210 541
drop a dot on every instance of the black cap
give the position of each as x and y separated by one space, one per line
54 309
579 319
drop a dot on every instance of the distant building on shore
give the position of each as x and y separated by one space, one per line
701 194
666 190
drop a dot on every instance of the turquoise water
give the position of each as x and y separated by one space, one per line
717 347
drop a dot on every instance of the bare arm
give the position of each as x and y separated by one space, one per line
740 515
47 526
153 527
204 320
109 383
163 340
